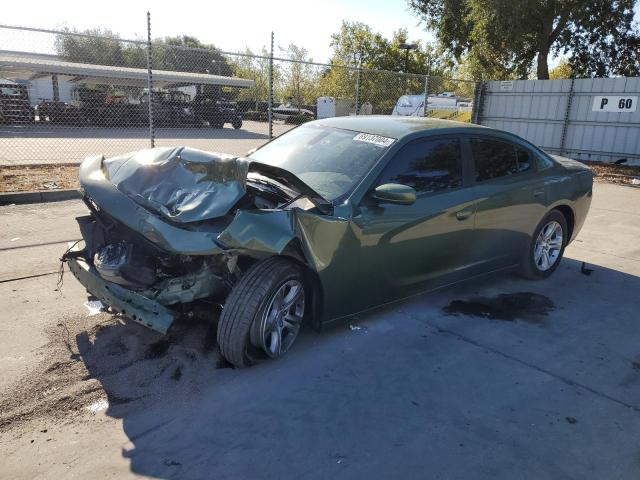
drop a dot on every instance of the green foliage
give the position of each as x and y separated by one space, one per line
357 45
256 69
297 80
101 48
183 54
501 39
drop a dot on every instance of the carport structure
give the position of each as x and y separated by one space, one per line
27 66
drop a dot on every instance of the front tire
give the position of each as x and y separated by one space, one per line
237 123
263 313
546 247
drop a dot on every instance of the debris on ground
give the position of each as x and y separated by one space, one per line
98 406
356 328
613 173
584 270
94 307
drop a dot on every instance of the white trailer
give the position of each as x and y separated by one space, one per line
333 107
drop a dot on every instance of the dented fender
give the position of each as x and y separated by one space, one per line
264 233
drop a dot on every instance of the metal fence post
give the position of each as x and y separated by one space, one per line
565 125
150 82
426 94
270 100
477 103
358 73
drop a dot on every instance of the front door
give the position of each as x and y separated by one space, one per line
407 248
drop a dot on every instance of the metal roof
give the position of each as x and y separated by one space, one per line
25 66
395 126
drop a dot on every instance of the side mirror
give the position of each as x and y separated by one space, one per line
395 193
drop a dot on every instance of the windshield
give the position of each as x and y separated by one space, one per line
330 160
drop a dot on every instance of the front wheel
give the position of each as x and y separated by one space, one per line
237 123
263 314
546 247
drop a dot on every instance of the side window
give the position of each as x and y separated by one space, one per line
427 166
493 158
543 162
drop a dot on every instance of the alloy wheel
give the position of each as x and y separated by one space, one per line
280 323
548 246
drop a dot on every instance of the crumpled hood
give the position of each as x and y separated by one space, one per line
182 184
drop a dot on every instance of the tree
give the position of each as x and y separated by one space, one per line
382 60
182 54
255 68
188 54
298 79
563 70
506 38
100 47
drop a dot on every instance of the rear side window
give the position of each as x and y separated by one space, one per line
493 159
428 166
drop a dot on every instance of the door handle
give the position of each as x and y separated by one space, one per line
463 214
538 193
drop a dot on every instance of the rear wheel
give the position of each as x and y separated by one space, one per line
546 247
263 313
237 123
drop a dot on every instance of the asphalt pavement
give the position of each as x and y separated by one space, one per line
47 144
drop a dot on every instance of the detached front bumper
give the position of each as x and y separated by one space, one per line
138 308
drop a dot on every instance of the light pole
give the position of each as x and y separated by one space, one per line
406 47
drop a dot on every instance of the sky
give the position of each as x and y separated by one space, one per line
229 25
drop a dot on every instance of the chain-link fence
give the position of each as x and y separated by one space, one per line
66 95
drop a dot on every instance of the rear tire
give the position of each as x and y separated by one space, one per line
546 247
243 334
237 123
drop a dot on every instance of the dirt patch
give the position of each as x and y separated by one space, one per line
619 174
104 363
22 178
526 306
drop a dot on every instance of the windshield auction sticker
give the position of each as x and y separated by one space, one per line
377 140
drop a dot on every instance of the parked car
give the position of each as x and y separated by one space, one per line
285 110
61 113
14 103
333 218
216 112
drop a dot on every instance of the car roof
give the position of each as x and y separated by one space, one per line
397 126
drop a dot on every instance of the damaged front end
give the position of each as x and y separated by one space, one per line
167 228
135 278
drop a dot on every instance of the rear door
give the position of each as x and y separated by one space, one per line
511 200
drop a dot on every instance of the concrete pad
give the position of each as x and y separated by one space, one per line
410 392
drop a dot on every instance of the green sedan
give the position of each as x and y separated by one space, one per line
333 218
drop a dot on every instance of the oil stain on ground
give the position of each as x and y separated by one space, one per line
526 306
